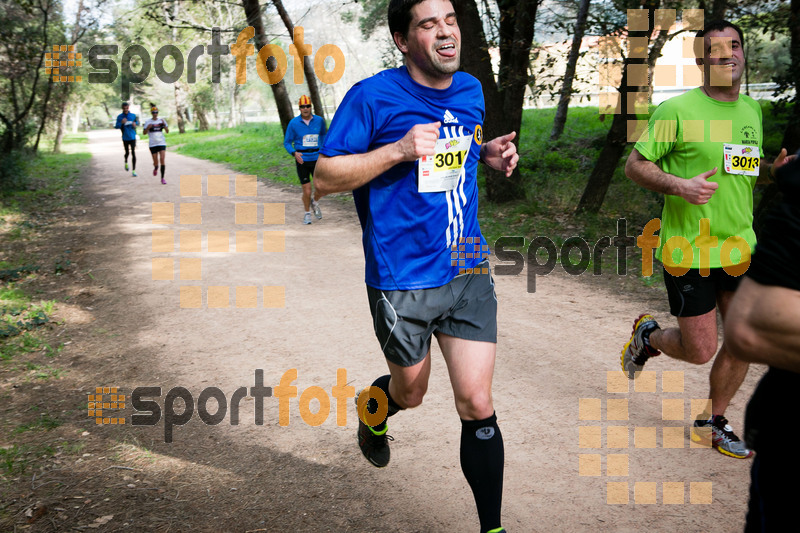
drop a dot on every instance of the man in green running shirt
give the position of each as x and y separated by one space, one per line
704 152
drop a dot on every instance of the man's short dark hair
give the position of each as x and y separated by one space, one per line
400 15
124 104
715 25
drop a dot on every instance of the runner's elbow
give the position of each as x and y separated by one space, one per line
741 338
631 170
322 176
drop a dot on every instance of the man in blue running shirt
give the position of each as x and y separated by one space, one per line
304 135
407 142
127 122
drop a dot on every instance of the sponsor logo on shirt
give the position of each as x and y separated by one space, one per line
449 118
749 135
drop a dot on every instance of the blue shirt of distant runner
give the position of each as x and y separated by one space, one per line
305 138
129 129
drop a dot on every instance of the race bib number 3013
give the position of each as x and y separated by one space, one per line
742 160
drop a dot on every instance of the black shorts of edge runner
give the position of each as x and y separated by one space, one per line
695 295
156 149
131 143
404 321
305 171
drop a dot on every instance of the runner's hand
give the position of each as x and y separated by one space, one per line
501 154
698 190
781 160
420 140
298 157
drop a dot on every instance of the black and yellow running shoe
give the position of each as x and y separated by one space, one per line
374 445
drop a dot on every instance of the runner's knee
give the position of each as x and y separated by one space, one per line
700 355
476 406
410 397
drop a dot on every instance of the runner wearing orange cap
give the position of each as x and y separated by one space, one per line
303 139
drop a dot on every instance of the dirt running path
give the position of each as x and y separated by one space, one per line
554 347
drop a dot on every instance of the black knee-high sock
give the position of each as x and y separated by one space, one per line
482 458
372 405
162 171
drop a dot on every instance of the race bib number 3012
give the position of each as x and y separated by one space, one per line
440 172
742 160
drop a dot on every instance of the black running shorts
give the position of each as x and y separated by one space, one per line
404 321
695 295
156 149
305 171
131 143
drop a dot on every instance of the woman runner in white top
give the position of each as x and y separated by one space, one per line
155 128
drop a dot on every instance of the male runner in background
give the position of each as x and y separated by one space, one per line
703 152
763 326
304 136
407 142
127 122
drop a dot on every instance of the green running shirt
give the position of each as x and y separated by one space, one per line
686 137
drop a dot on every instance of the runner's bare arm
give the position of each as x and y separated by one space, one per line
696 190
761 325
501 154
351 171
767 172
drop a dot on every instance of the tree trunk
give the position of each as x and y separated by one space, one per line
791 135
718 10
62 121
180 106
308 65
254 19
201 118
67 90
595 192
505 97
76 117
180 94
45 107
569 74
604 167
217 98
232 104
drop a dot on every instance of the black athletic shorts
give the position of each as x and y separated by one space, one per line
404 321
305 171
695 295
156 149
131 143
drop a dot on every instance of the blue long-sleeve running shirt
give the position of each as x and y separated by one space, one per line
129 129
305 138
